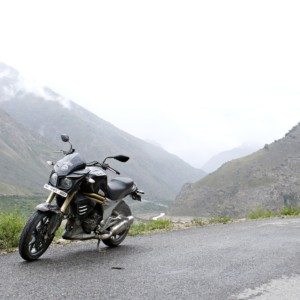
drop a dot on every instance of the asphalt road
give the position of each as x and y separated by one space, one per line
248 260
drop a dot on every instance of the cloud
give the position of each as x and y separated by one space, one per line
197 77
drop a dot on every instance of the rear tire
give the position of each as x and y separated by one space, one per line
34 240
114 241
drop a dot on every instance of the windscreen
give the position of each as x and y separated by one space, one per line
69 164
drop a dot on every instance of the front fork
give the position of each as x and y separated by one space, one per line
50 198
66 203
57 218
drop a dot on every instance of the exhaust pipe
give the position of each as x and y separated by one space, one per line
118 228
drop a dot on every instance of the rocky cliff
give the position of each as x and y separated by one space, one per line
268 178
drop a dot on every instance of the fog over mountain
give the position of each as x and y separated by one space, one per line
218 160
197 77
47 114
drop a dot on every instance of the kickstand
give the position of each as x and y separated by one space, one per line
98 245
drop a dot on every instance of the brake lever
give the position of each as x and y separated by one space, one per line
112 169
62 151
92 163
105 166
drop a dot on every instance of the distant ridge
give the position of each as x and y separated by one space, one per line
218 160
268 179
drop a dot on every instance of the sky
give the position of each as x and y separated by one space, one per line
196 77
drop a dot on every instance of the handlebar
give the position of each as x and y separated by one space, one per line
112 169
104 166
65 152
65 138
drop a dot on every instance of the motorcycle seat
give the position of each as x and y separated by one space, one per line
119 187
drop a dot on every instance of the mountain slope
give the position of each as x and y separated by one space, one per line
269 178
23 157
218 160
158 172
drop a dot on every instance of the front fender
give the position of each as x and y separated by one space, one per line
56 216
47 207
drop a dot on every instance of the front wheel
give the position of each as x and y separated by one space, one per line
35 238
114 241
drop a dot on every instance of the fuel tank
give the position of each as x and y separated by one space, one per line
100 178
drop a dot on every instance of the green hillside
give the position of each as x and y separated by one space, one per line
23 157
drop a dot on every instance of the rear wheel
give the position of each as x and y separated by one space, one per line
35 238
114 241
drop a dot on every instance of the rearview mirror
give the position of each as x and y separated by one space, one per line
64 138
121 158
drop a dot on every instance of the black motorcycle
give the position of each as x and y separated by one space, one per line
93 207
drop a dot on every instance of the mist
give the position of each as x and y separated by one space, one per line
195 77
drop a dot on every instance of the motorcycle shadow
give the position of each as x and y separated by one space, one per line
71 256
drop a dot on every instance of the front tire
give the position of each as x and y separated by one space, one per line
114 241
35 238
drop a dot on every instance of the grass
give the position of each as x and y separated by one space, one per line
59 232
260 213
219 219
290 211
25 204
141 228
11 225
212 220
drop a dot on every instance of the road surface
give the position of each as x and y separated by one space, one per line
247 260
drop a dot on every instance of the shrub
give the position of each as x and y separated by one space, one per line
11 225
220 219
261 214
285 211
290 211
146 227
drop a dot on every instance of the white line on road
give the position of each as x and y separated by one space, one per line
285 288
159 216
294 223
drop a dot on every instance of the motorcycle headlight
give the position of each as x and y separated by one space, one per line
53 179
66 183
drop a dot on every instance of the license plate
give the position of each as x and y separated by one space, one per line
55 190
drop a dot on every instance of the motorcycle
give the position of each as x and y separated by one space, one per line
92 205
